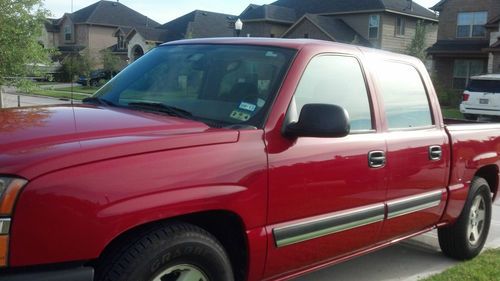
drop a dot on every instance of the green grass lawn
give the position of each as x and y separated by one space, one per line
486 267
452 112
57 94
79 89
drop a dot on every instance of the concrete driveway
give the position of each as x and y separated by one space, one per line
407 261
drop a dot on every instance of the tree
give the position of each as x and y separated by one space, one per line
77 64
111 62
21 24
417 45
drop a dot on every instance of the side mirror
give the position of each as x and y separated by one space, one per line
320 121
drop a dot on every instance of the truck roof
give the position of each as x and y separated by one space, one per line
294 44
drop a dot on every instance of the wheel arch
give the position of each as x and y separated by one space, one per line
226 226
490 173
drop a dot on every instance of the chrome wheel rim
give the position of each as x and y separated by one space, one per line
183 272
477 218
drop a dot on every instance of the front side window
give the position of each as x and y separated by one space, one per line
68 34
335 80
400 26
471 24
373 26
464 69
404 96
221 85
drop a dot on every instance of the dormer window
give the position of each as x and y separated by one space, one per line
373 26
121 42
68 33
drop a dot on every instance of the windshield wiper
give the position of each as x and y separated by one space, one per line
160 107
94 100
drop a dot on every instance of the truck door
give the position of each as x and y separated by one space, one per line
417 151
324 199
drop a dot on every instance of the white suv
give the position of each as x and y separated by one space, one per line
482 97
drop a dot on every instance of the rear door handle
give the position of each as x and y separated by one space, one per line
376 159
435 153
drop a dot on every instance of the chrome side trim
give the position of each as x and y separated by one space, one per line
334 223
412 204
4 226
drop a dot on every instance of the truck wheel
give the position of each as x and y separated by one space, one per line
465 239
178 252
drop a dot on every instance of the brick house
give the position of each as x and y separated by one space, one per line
385 24
93 29
468 41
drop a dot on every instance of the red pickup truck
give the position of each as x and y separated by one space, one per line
240 159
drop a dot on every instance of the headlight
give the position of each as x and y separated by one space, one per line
9 190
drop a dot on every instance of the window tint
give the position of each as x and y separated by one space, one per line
404 96
485 86
336 80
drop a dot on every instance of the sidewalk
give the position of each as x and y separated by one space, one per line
11 100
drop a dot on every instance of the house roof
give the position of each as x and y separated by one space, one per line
458 47
438 6
342 6
111 13
199 24
334 28
269 13
51 25
150 34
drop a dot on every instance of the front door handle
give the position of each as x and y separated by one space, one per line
376 159
435 153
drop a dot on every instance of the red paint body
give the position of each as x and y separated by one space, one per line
96 172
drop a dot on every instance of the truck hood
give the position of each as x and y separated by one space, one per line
37 140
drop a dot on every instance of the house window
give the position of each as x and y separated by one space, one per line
373 26
471 24
272 35
464 69
400 26
306 35
68 34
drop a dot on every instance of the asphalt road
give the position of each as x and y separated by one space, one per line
407 261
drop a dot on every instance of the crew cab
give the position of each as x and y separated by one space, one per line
240 159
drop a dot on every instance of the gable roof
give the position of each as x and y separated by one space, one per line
323 7
269 13
149 34
199 24
334 28
111 13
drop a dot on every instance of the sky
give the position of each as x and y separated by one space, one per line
163 11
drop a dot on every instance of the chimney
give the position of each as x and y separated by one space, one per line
410 5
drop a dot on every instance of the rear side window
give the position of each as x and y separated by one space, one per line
404 96
485 86
336 80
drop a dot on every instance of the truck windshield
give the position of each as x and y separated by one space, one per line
485 86
221 85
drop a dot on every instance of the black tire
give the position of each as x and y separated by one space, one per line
457 241
471 117
166 251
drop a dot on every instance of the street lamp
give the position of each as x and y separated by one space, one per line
238 26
